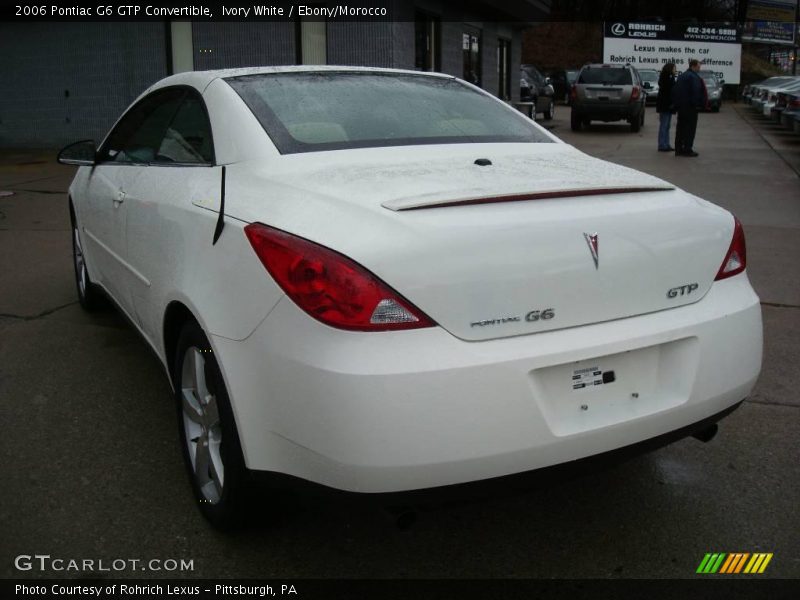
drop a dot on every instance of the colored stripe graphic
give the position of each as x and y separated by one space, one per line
703 563
734 563
711 563
758 563
727 564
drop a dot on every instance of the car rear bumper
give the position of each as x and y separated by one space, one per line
607 111
398 411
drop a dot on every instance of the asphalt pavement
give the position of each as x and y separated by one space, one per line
91 465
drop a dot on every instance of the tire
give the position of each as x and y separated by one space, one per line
89 296
548 114
637 122
207 432
575 121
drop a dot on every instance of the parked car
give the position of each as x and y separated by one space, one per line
380 280
790 116
536 88
606 92
562 80
713 89
751 91
650 84
769 97
760 93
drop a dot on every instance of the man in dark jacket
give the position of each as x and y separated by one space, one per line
688 99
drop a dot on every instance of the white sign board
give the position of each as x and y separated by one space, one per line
652 45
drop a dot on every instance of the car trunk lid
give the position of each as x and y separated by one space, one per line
544 238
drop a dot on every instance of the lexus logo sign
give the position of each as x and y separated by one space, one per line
618 29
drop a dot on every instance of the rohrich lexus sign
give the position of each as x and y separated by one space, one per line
652 45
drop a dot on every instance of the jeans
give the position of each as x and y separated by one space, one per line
664 120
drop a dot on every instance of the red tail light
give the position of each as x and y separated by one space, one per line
329 286
573 92
635 92
736 257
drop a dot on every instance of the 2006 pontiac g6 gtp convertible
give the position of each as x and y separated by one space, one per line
380 280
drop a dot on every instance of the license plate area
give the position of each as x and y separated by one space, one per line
605 390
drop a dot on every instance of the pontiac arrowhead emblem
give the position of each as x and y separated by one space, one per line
591 241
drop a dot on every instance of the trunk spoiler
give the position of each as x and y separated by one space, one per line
401 204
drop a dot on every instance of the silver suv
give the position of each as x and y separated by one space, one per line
608 93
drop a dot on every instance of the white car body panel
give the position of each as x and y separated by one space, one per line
402 410
416 409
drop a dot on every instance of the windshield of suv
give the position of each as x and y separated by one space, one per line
651 76
606 76
315 111
711 81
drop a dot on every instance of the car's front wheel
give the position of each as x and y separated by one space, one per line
209 439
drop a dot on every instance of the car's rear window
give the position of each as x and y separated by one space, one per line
532 73
606 75
315 111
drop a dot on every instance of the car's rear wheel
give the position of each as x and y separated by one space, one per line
575 121
89 296
548 114
637 122
209 439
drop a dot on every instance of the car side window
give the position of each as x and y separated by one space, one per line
137 137
187 139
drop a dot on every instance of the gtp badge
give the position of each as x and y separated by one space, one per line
591 241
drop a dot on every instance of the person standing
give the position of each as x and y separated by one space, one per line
687 96
664 108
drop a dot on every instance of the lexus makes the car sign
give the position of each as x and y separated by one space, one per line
652 45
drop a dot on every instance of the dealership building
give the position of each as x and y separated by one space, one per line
71 79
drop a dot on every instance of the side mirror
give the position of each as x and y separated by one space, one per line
647 85
82 153
547 81
721 81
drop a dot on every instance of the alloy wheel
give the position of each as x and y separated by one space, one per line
80 263
201 425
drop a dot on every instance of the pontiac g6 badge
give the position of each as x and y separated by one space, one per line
591 240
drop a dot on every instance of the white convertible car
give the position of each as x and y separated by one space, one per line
381 280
